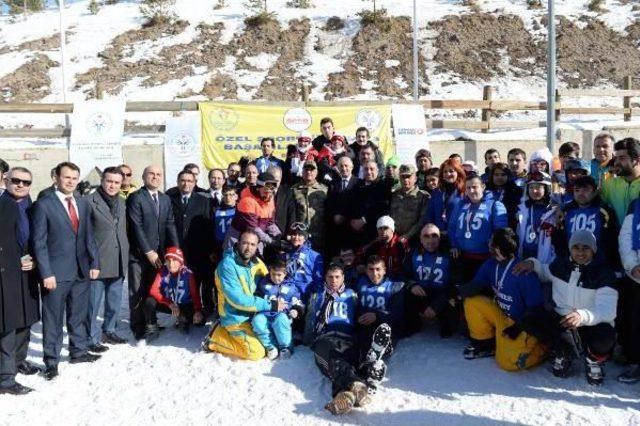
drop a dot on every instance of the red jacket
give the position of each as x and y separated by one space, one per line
180 288
393 253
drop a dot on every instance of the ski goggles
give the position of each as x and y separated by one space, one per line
539 177
299 227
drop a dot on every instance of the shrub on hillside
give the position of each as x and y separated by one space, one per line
260 19
300 4
93 7
157 12
334 24
377 18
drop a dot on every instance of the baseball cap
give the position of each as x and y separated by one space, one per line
386 222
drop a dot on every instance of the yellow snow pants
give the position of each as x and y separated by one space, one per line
237 340
486 321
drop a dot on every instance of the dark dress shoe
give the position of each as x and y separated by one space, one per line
15 389
28 369
98 348
84 358
113 339
51 372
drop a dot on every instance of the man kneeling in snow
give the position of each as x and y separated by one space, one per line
331 332
235 280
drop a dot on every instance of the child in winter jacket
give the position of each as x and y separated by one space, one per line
273 329
173 291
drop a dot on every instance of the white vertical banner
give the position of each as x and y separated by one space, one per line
181 146
409 130
97 128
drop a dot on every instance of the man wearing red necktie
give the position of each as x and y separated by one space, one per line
67 257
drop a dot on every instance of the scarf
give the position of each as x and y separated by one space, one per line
22 226
112 202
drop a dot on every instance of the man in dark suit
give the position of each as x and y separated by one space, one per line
193 169
151 229
216 182
19 295
195 234
341 189
67 258
109 220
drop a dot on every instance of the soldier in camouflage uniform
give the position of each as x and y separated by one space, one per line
307 204
408 204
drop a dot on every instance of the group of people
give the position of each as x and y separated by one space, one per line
334 249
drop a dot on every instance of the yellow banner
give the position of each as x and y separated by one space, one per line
230 131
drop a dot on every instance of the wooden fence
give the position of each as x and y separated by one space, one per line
488 106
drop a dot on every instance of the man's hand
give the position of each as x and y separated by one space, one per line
416 290
455 253
49 283
523 267
154 259
357 224
175 310
368 318
635 272
338 219
197 317
26 265
428 313
571 320
94 274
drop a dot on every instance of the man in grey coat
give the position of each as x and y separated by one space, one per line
109 219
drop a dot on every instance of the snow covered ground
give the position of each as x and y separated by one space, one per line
429 383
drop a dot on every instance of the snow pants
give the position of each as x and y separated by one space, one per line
628 320
272 331
337 358
487 321
237 340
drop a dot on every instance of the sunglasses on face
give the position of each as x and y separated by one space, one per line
17 181
128 174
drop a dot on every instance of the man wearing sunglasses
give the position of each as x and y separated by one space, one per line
127 186
19 307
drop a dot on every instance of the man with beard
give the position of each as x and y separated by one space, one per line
602 162
235 279
620 191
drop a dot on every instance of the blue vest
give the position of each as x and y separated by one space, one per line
635 230
471 225
588 218
176 288
430 270
222 222
532 227
342 316
286 291
377 298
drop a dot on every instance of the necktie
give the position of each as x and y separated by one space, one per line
73 214
155 202
345 182
185 200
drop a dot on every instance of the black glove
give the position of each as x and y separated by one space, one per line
274 305
512 332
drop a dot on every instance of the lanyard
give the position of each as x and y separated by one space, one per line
504 273
445 202
469 218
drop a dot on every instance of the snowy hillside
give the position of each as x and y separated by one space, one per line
429 383
211 54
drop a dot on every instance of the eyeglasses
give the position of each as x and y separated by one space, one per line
298 226
128 174
17 181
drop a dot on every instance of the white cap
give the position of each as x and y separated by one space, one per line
304 134
386 222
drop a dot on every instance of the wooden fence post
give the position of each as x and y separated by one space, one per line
487 94
626 101
99 89
305 93
558 100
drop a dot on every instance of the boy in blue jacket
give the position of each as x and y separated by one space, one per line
273 329
331 333
380 302
496 324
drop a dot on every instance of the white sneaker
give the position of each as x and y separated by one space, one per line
272 353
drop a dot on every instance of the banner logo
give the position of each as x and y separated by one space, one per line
182 143
224 119
99 123
297 119
368 118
